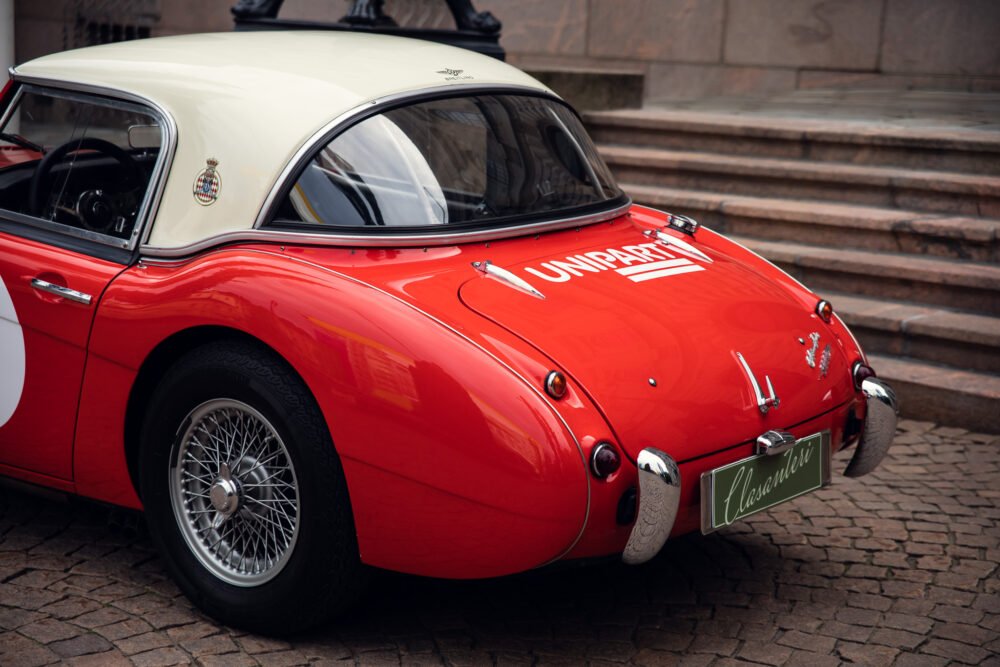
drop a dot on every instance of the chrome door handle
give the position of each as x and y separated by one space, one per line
59 290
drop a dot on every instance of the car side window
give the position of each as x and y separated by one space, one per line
81 164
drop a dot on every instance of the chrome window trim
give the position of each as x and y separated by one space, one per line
382 240
10 107
65 230
157 180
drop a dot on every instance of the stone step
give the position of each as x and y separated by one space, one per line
961 285
858 142
592 88
945 395
920 190
923 333
834 225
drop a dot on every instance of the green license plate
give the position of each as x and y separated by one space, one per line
756 483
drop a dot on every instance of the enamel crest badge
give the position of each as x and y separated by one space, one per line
208 183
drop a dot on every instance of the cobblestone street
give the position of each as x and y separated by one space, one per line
898 568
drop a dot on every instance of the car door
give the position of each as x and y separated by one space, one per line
73 194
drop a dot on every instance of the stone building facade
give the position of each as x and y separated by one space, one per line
685 49
698 48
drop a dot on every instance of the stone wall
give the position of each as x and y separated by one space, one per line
685 48
696 48
45 26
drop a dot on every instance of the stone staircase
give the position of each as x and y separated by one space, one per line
899 227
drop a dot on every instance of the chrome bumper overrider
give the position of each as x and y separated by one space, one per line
659 499
878 430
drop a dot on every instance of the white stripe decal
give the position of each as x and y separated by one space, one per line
11 357
652 266
650 275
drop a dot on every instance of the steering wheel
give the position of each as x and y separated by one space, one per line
94 209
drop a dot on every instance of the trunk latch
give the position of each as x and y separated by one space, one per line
764 403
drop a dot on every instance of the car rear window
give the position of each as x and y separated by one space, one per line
471 161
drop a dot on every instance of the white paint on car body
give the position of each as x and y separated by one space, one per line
11 357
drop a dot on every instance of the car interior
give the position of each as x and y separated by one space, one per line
82 163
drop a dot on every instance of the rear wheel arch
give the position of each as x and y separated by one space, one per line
254 519
167 353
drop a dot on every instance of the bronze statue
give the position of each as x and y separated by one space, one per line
256 9
370 13
467 18
367 12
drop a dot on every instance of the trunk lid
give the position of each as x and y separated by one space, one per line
623 311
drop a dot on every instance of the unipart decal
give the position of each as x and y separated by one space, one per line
11 357
638 263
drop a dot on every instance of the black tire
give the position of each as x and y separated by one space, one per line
321 573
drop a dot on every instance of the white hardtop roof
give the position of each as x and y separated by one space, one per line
252 99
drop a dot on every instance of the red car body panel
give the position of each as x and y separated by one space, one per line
456 469
56 334
425 416
681 330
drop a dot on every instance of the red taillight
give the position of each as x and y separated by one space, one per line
861 372
604 460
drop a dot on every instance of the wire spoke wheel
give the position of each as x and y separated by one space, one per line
234 492
244 492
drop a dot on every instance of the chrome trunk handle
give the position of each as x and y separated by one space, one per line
59 290
775 442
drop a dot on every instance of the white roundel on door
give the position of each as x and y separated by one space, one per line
11 357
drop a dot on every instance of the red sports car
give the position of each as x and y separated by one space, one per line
319 301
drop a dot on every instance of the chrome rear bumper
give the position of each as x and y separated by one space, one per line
659 499
660 478
879 428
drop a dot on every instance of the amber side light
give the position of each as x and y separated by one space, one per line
825 310
555 384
